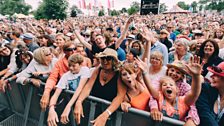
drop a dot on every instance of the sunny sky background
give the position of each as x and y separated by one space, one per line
117 3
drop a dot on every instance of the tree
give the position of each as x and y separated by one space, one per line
9 7
194 5
136 5
183 5
132 10
123 10
114 13
74 11
162 8
52 9
101 13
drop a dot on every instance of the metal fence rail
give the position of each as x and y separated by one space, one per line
24 102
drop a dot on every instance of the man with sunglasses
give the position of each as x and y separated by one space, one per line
59 69
210 104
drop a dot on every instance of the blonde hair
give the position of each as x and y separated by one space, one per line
40 54
75 58
157 54
165 79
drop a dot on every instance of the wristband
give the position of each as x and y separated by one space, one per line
144 72
109 112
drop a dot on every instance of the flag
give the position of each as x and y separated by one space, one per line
84 4
108 4
112 3
80 6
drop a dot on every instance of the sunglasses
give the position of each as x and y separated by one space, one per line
70 49
107 58
162 33
217 69
48 54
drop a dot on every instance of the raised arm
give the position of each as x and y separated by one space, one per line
194 69
124 33
81 39
144 67
148 37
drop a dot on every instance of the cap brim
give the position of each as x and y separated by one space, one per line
216 73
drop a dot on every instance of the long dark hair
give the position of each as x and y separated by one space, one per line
18 54
215 53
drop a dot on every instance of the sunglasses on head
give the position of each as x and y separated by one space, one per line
70 49
48 54
217 69
107 58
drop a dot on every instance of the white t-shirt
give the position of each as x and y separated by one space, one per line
70 81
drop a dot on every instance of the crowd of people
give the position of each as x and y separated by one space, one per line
169 65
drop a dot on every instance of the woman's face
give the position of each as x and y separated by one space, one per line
80 50
219 34
69 51
169 89
162 35
199 42
130 57
156 61
100 41
216 81
175 74
106 62
25 59
136 46
128 78
74 68
48 57
5 51
180 47
209 48
59 41
43 41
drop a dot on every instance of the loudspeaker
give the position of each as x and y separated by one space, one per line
149 6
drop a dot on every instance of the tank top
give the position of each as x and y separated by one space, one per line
107 91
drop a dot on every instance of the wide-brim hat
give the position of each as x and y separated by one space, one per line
178 65
218 70
108 52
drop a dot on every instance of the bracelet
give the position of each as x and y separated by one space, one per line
109 112
144 72
53 105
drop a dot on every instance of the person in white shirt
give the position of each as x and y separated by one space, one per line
75 79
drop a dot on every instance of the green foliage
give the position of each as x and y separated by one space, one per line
74 11
52 9
163 8
101 13
135 7
9 7
114 13
213 4
183 5
194 5
123 10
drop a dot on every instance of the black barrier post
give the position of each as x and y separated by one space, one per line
27 107
41 119
92 112
118 118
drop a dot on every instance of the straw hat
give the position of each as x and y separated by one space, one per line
108 52
178 65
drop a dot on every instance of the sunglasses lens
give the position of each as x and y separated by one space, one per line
70 49
217 69
107 58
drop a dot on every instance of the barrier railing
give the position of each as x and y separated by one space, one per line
24 102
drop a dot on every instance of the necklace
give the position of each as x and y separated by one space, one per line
105 75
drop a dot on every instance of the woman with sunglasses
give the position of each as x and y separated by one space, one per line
104 83
60 67
39 68
210 103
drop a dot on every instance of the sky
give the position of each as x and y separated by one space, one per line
117 3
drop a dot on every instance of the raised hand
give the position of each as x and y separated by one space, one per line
142 65
194 68
130 19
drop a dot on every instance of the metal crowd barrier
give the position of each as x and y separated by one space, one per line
24 103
